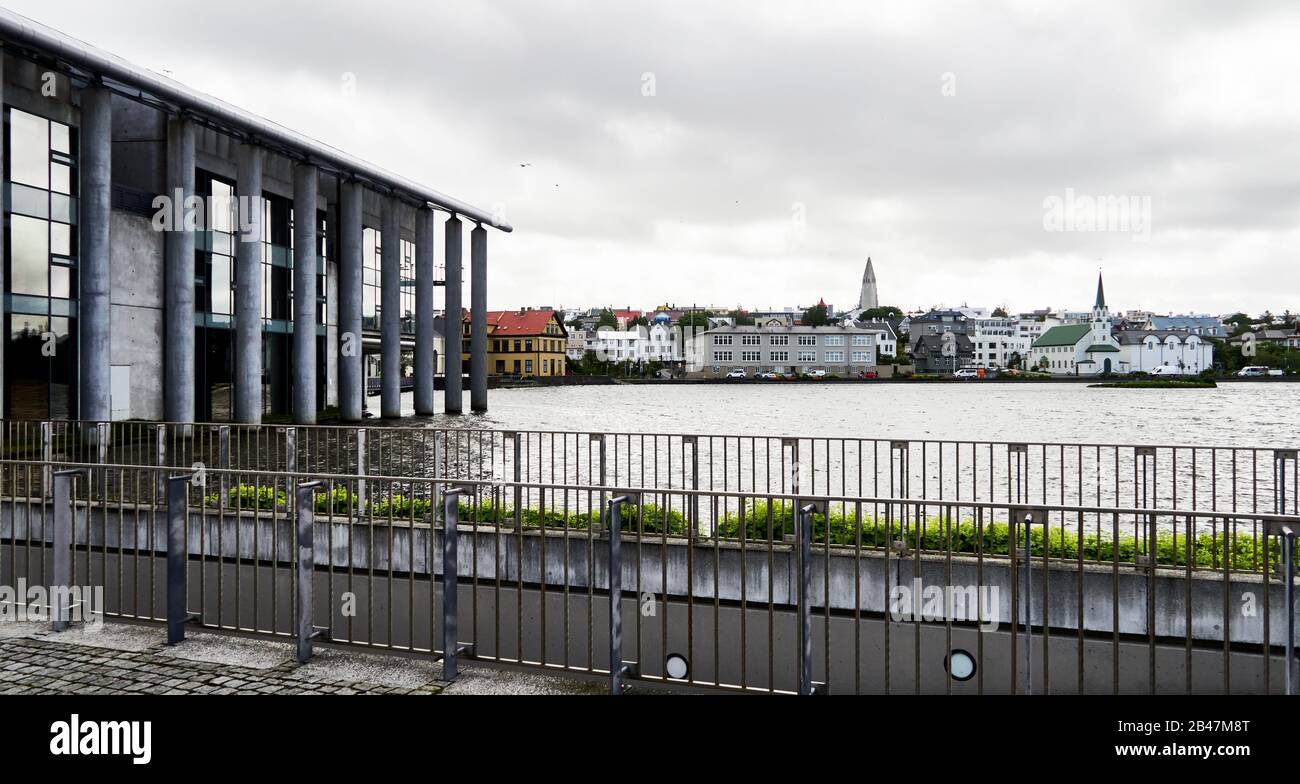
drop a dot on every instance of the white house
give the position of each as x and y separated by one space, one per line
657 343
1079 349
1145 350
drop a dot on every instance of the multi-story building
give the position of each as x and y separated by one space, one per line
997 342
188 260
1142 351
1203 325
837 350
943 353
524 343
657 343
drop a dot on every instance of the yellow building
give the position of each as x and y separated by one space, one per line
525 343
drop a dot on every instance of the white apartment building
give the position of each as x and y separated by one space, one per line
996 341
657 343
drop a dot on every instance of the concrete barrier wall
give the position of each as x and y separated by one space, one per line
756 574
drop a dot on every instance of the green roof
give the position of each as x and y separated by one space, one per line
1068 335
1101 347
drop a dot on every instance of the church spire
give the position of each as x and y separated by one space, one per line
867 298
1101 294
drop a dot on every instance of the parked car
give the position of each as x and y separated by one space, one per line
1255 370
769 376
967 373
870 374
1166 370
736 373
817 374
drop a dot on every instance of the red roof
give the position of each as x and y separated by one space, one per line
518 322
627 315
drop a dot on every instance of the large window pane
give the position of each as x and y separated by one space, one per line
60 139
29 149
30 249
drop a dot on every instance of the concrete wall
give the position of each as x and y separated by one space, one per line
855 584
136 275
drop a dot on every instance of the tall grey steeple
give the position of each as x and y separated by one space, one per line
868 299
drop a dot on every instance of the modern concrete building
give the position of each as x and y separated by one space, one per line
170 256
837 350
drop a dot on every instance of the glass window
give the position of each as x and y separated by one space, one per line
30 256
29 149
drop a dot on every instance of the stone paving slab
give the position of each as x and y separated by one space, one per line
118 658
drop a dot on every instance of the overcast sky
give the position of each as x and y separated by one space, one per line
757 153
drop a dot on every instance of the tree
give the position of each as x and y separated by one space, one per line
607 320
1000 313
815 316
1238 323
882 313
639 321
698 320
741 318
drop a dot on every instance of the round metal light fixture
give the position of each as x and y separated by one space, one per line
960 665
676 667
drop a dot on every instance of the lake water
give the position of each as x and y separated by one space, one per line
1234 414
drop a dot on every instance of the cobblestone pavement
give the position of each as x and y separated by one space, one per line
30 666
120 658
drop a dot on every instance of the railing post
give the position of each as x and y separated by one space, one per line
1287 534
177 557
47 456
807 686
363 467
223 460
1025 518
694 506
61 559
160 458
304 510
451 646
291 450
617 667
103 433
518 477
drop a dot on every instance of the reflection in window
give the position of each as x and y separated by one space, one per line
40 268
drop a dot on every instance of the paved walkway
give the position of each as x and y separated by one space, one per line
119 658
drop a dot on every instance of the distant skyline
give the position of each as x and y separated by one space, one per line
758 153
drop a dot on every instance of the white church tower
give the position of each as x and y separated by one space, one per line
1101 316
868 298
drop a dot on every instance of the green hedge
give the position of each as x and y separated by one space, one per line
762 521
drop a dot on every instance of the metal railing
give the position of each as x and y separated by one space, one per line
1215 478
771 592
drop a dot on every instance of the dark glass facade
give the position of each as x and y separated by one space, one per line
40 297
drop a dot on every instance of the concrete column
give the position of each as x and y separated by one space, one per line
350 296
424 311
248 287
305 178
178 357
332 320
478 319
390 321
96 211
452 365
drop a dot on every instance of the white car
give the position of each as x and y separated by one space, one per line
817 374
966 373
769 376
1166 370
735 373
1254 370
